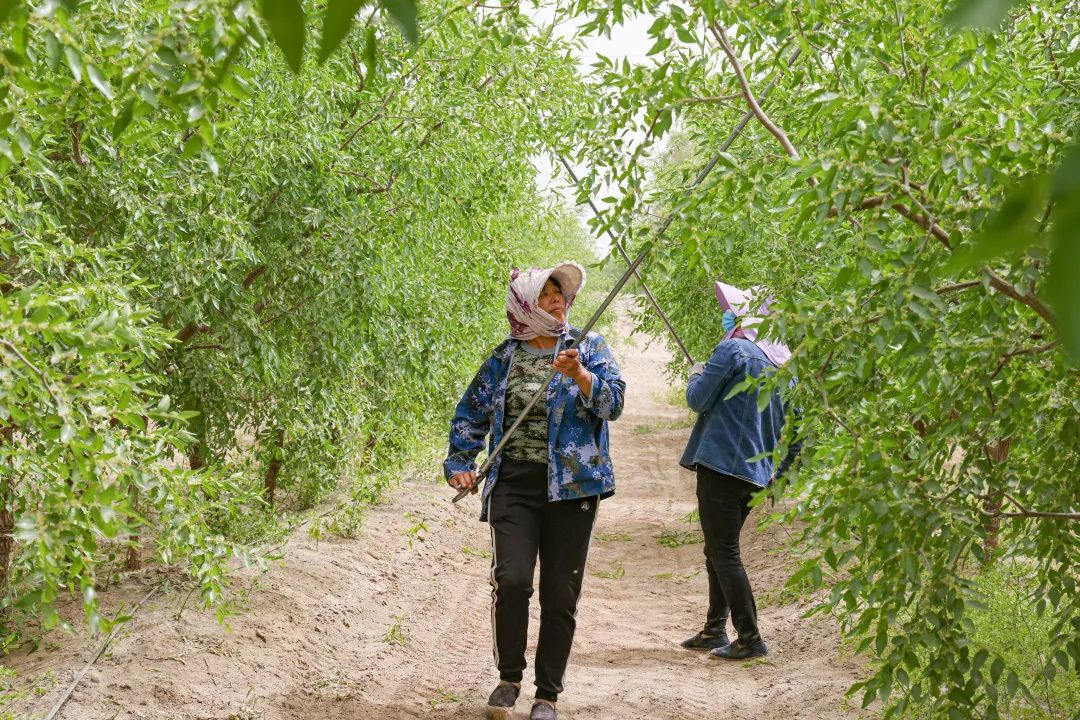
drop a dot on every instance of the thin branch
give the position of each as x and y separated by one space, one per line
252 276
708 100
930 225
927 223
190 329
903 47
378 189
944 289
1004 287
1026 513
76 144
296 306
375 116
35 369
725 44
1023 351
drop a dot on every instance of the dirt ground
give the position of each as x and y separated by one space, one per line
396 624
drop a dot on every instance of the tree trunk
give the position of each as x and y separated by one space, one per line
272 470
195 459
132 561
7 518
996 452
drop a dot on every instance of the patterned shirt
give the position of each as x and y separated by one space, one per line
528 369
579 464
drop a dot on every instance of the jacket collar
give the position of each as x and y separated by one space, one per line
507 347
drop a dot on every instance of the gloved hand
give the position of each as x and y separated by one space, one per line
697 368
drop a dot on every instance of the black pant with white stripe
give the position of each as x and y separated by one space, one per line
524 525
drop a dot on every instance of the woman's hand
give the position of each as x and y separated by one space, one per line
464 481
568 364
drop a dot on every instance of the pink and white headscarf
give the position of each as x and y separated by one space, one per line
741 302
527 320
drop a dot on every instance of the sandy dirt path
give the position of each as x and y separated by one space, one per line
396 624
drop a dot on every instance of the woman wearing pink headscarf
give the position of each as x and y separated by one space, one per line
541 493
729 433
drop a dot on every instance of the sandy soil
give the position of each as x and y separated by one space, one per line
381 627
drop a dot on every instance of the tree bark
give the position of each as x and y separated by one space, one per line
7 518
996 452
272 470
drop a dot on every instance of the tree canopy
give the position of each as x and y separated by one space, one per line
244 248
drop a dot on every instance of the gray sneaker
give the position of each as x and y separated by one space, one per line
501 702
543 710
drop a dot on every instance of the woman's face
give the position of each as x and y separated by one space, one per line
552 301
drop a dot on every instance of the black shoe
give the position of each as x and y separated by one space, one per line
502 699
741 651
701 641
543 710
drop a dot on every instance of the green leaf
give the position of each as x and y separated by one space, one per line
370 51
74 61
979 13
99 81
6 6
1010 230
1063 285
337 20
404 14
287 27
123 119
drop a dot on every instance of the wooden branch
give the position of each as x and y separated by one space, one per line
1023 351
296 306
380 188
924 221
209 346
1004 287
374 116
721 37
254 275
1026 513
189 330
944 289
430 133
76 144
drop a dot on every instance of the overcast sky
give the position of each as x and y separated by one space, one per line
629 40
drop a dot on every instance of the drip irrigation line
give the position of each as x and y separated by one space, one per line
630 271
101 651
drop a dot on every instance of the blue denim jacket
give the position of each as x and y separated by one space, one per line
729 432
578 461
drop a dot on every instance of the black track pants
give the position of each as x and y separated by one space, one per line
724 503
524 525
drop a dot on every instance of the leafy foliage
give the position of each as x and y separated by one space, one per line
225 285
920 237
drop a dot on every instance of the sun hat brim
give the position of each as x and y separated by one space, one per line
571 278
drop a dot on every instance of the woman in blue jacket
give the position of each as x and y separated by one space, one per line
729 432
540 496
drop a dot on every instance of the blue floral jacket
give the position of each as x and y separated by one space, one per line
578 461
730 429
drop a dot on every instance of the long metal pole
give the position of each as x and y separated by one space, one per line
630 271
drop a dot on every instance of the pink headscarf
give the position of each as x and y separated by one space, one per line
741 302
527 320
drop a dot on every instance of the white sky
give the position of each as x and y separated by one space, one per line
629 40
